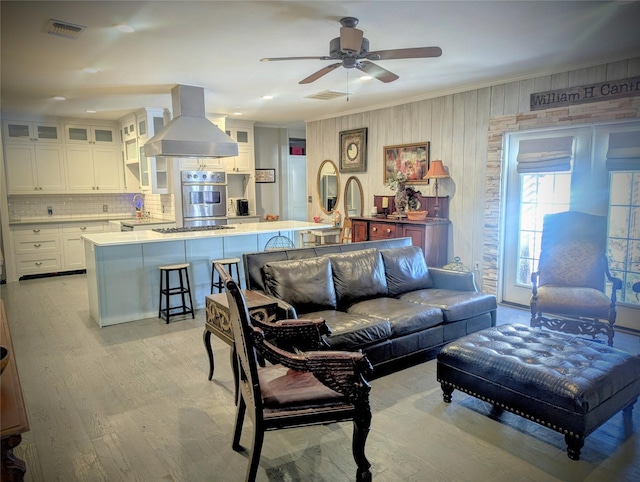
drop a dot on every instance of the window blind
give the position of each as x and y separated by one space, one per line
550 154
624 151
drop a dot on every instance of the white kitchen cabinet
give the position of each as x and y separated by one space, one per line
73 244
203 164
91 134
29 132
154 173
36 249
91 169
34 169
242 133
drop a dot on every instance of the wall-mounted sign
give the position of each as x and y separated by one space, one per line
610 89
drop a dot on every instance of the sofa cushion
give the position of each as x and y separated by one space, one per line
405 269
455 305
405 317
358 275
306 284
351 331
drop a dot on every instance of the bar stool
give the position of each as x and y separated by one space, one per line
228 264
166 291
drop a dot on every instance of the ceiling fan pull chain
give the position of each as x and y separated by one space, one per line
347 85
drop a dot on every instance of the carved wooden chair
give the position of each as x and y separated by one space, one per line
299 389
568 292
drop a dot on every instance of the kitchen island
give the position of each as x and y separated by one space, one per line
122 267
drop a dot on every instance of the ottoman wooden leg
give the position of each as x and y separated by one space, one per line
447 390
574 444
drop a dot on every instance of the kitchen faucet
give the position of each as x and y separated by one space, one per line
138 201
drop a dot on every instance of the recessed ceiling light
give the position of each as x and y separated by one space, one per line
267 97
59 97
125 28
366 77
90 70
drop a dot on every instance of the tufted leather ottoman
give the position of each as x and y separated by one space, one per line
568 384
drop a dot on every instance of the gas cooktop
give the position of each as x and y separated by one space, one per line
213 227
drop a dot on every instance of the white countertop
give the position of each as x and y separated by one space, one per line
149 236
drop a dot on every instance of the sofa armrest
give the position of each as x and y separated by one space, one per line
452 280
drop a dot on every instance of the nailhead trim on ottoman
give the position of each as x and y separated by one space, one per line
568 384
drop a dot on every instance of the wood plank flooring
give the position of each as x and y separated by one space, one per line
132 402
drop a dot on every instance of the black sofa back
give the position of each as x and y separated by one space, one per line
253 262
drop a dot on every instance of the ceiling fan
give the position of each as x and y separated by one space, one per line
352 50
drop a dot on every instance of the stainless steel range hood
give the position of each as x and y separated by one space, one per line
190 133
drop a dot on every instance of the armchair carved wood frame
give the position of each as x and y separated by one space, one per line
301 388
570 281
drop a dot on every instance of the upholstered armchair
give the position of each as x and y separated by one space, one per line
300 388
568 292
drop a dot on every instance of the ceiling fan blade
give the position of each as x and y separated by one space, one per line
320 73
274 59
350 39
376 71
414 53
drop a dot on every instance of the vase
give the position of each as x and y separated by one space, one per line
401 199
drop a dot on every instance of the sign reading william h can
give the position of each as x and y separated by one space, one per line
611 89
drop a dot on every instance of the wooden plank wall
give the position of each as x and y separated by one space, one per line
456 125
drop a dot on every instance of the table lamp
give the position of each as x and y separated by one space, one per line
436 171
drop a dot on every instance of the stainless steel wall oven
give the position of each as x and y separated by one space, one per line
204 198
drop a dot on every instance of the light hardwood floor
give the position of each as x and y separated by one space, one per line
132 402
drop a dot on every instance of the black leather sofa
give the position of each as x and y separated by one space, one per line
376 296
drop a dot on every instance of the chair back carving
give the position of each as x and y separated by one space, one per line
242 332
573 250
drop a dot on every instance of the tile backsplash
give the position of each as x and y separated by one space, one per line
34 207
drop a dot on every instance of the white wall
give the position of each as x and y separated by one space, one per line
457 127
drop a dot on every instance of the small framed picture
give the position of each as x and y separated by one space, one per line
265 175
410 159
353 150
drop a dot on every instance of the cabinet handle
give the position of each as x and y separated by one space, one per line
388 231
35 230
38 263
82 228
37 245
374 229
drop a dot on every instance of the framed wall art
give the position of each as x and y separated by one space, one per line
410 159
353 150
265 175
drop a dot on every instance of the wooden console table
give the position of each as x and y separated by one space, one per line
13 414
218 323
432 235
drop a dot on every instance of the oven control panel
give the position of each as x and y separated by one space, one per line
204 177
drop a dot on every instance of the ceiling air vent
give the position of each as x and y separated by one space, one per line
327 95
63 29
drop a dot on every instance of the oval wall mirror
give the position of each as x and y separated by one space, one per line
353 197
328 186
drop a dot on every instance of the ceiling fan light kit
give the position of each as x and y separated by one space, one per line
352 51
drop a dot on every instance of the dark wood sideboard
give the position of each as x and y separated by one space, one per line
13 413
431 235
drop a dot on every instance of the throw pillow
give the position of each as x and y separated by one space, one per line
358 275
406 270
306 284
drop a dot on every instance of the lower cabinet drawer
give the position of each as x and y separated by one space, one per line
38 264
382 231
32 245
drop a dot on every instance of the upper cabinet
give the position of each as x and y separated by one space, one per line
91 169
242 133
90 134
34 169
19 131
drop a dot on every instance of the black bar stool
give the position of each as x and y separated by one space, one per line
166 291
228 264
